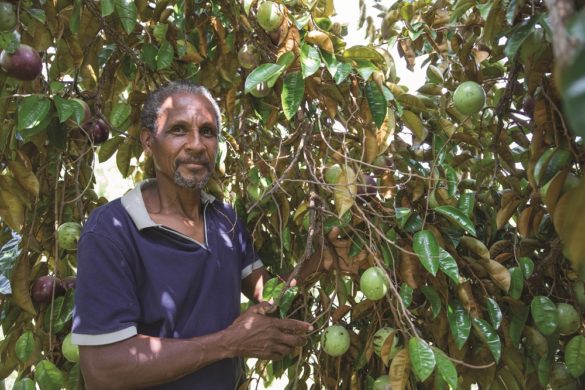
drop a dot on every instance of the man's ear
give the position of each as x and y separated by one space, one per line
146 140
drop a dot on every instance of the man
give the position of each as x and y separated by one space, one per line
160 270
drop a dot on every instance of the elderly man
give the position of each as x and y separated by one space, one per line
160 270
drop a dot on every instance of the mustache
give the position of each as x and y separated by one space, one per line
193 160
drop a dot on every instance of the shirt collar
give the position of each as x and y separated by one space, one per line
133 203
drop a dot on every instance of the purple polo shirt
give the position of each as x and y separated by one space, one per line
135 276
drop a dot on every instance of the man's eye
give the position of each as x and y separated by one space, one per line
207 131
177 129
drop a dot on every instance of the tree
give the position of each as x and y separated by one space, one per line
475 218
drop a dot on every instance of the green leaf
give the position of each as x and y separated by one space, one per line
516 282
75 17
107 7
433 298
330 62
406 294
286 300
422 358
24 384
286 59
575 356
545 315
527 266
365 69
518 318
108 148
32 110
9 41
149 54
272 289
426 247
120 115
123 157
452 180
517 38
262 74
377 103
494 312
343 70
459 322
573 93
38 14
128 14
48 376
457 217
446 367
489 336
25 346
448 265
466 203
293 92
62 313
160 32
310 60
164 57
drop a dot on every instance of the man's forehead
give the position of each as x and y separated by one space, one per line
188 103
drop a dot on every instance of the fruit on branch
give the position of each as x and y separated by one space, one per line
380 338
469 98
7 16
269 16
24 64
98 131
374 283
248 56
367 187
335 340
68 235
70 351
382 383
42 290
569 318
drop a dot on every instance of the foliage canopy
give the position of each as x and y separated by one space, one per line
476 219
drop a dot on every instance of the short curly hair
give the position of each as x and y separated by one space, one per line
155 99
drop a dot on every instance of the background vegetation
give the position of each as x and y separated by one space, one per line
476 219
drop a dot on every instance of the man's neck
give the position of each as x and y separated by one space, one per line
165 197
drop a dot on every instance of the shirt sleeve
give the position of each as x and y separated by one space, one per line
250 260
106 305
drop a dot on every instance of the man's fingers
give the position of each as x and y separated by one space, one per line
334 233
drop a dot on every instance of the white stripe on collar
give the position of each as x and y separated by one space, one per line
133 203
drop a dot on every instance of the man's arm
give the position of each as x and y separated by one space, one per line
142 361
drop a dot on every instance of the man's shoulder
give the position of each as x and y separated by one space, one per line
102 218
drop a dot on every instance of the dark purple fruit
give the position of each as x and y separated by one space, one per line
99 131
24 64
42 290
367 186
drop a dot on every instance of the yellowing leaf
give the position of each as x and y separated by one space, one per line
569 223
499 274
24 176
400 370
20 285
414 123
345 190
371 145
320 39
385 132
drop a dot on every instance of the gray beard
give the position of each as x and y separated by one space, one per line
192 184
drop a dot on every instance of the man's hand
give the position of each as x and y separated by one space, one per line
254 334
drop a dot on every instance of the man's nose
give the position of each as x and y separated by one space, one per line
195 141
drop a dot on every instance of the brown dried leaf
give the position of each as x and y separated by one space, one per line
508 207
529 221
20 281
371 146
385 132
476 247
499 274
24 175
320 39
400 370
409 268
467 299
569 222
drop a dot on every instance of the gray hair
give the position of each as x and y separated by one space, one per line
155 99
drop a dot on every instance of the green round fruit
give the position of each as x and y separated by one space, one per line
569 318
269 16
382 383
248 56
68 235
7 16
380 338
335 340
374 283
469 98
70 350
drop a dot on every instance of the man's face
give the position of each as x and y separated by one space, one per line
184 143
